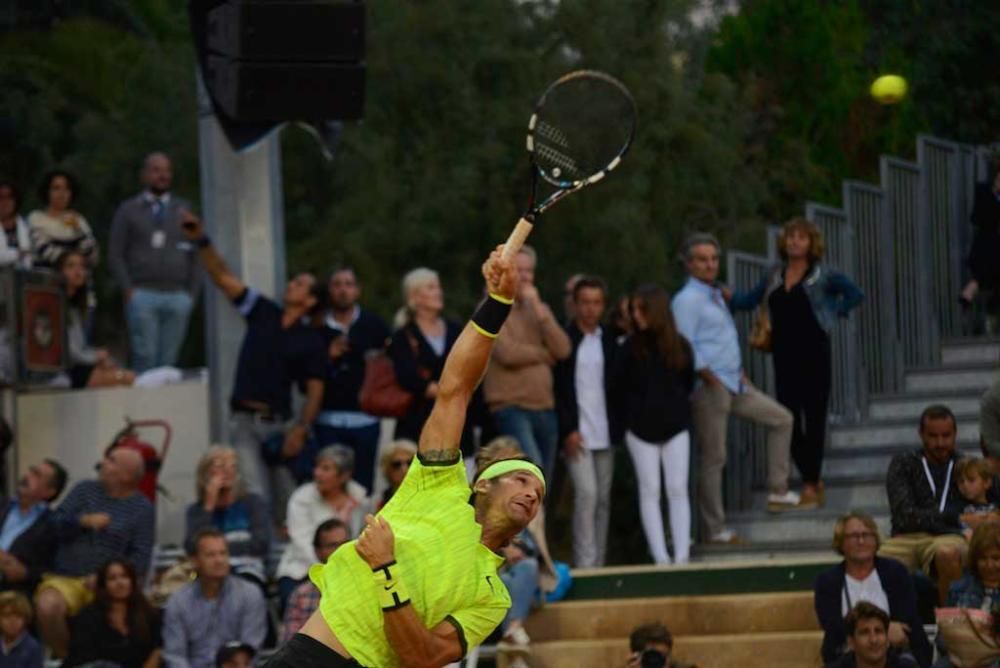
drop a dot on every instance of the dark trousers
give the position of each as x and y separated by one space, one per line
305 652
362 440
802 385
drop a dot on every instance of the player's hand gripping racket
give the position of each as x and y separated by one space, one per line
581 128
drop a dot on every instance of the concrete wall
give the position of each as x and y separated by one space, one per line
75 427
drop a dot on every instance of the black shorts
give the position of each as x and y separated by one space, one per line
305 652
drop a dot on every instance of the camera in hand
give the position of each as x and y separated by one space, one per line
650 658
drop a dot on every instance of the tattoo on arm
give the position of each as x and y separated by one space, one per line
449 456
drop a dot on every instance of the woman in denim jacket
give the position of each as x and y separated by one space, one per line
804 300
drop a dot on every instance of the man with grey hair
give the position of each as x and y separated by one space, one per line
703 318
332 493
155 266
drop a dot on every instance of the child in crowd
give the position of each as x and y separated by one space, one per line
975 477
17 648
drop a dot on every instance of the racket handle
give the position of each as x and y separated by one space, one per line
517 238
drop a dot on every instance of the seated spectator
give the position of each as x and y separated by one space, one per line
332 493
215 609
27 534
242 517
100 520
980 587
18 649
58 228
395 465
975 483
868 638
120 626
90 366
923 493
304 601
17 251
235 655
652 646
862 576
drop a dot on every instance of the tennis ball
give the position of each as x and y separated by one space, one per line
889 89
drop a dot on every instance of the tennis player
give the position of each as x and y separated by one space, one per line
420 584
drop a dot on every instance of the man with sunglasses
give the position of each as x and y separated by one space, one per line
421 582
862 576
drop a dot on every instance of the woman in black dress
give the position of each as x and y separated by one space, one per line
120 626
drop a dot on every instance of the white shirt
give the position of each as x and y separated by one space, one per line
590 399
870 589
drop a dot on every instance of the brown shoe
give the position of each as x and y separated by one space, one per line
726 537
811 496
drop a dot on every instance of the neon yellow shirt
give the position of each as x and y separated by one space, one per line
447 571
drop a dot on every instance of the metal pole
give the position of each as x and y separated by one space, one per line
242 204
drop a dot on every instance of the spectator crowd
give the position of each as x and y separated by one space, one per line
656 374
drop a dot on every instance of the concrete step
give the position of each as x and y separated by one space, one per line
890 433
909 406
759 526
970 351
846 463
799 649
845 494
683 615
975 377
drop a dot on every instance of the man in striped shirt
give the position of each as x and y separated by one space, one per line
99 520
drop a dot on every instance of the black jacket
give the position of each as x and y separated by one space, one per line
912 502
892 661
345 375
35 548
567 409
898 587
986 238
656 397
415 372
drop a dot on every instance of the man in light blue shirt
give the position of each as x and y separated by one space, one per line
703 318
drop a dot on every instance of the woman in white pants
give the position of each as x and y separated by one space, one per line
654 376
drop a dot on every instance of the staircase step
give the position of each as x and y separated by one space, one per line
972 377
843 464
683 615
799 649
909 407
973 351
762 527
875 433
844 494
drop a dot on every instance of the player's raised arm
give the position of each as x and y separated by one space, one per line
466 364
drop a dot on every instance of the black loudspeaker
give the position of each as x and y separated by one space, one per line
265 62
303 30
252 91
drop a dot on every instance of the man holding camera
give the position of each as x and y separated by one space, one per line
652 647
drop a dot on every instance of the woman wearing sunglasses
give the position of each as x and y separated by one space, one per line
395 465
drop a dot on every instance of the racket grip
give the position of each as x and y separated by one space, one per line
517 238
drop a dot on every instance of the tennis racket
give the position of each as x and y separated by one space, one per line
582 126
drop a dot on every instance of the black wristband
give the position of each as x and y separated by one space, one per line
491 315
204 241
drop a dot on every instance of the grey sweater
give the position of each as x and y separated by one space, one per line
146 254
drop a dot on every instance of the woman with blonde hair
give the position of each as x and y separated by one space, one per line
224 503
395 464
803 299
419 348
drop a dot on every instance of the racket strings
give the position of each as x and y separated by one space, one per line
554 160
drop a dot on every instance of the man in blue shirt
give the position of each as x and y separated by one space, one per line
703 318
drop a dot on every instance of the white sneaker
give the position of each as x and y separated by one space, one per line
518 662
515 641
726 537
777 503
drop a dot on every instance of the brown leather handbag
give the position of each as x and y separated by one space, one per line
381 394
760 331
